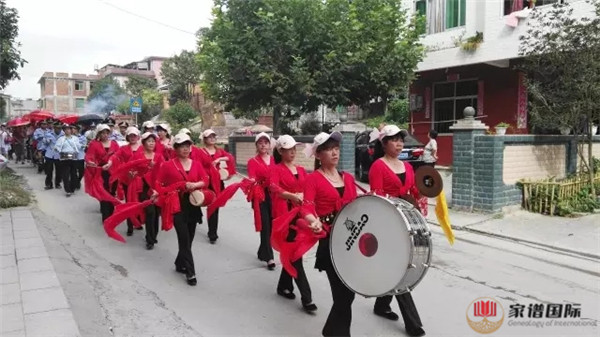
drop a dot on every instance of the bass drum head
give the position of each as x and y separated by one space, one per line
370 246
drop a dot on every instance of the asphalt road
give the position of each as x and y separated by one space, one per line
124 290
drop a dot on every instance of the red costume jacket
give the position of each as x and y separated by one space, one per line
202 155
321 198
385 182
261 172
283 180
94 185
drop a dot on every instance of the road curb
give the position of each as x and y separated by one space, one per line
512 238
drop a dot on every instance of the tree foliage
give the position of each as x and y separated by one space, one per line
563 71
10 56
182 74
180 114
302 53
151 106
136 85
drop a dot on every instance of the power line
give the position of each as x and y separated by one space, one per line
145 18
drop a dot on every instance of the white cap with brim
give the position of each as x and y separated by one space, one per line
165 127
208 132
132 131
320 139
148 134
102 127
286 142
185 130
262 135
181 138
148 125
386 131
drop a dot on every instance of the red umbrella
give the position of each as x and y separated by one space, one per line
40 115
68 119
17 122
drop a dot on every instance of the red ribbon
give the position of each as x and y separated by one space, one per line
168 201
121 213
94 185
225 195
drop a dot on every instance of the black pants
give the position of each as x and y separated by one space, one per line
265 251
129 222
68 170
52 166
152 215
407 308
185 227
80 165
285 282
107 208
19 149
213 221
40 155
340 317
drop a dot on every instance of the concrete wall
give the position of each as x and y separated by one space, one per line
486 168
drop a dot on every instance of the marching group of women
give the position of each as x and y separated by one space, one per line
157 173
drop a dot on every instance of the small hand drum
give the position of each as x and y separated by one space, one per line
380 246
200 198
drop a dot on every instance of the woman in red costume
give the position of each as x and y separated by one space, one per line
325 192
185 216
148 182
96 158
124 155
287 191
211 157
165 143
259 169
389 176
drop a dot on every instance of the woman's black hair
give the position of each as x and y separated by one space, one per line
158 127
433 134
277 156
378 151
176 145
328 145
145 140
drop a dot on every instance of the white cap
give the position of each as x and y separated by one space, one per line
185 130
148 134
148 124
132 130
286 142
208 132
165 127
102 127
262 135
320 139
182 138
386 131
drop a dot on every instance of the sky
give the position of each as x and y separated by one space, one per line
75 35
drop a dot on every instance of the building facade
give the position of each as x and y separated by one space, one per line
451 78
62 93
150 67
20 107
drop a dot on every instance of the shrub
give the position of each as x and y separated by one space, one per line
13 194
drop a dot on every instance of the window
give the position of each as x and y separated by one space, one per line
79 86
517 5
449 101
456 11
442 14
79 103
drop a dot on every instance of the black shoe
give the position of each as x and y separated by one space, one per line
181 270
48 187
392 316
309 307
192 280
69 194
57 186
271 266
149 246
140 228
286 293
415 332
129 233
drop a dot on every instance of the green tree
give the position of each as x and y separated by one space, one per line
563 73
2 109
182 74
151 106
301 53
10 56
136 84
180 114
106 96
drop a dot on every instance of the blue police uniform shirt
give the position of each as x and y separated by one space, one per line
82 144
67 145
50 141
38 135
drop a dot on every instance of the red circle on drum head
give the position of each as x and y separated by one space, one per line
367 244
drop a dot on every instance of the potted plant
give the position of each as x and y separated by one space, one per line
565 130
501 128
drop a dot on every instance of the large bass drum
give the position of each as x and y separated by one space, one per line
380 246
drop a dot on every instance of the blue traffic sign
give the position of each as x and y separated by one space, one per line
135 105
